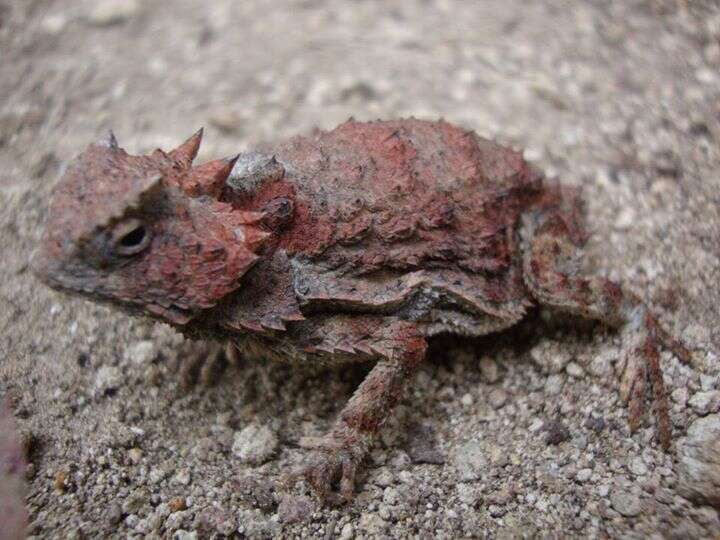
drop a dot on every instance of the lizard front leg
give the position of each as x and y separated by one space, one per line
337 455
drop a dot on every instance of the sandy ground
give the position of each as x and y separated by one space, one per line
525 432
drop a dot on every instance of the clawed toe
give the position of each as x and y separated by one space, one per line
632 391
642 370
331 474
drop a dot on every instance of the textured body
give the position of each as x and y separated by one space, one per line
410 220
355 244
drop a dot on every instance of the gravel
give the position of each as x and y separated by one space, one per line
619 98
550 356
422 445
705 402
497 398
12 488
294 509
555 432
470 461
699 457
625 503
110 12
489 370
583 475
255 444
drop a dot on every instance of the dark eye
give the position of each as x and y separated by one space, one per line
131 237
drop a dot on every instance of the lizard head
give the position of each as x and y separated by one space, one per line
148 233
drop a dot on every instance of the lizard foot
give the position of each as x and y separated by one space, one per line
643 367
330 469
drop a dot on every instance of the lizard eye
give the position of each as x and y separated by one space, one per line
131 237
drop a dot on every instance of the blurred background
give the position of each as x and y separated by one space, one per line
619 97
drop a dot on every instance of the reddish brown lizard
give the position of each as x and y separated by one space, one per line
356 244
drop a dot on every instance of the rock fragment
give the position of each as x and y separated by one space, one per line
699 461
255 444
625 503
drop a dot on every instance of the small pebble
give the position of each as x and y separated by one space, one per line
497 398
142 352
637 466
176 504
114 514
554 384
489 370
226 120
255 444
707 382
470 461
583 475
625 503
60 481
134 502
422 445
698 457
108 379
295 509
384 478
54 23
347 532
705 403
680 396
135 455
575 370
182 477
556 432
496 511
110 12
550 357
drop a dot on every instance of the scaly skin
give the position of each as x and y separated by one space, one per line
356 244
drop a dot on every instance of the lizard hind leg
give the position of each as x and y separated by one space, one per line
555 283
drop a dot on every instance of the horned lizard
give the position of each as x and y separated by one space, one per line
355 244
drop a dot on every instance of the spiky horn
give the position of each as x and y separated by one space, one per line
186 152
108 140
209 178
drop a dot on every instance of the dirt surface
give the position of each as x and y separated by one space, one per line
521 434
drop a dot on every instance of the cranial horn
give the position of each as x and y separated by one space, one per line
209 178
108 140
186 152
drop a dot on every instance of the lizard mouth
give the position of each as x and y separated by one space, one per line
76 283
58 277
53 276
